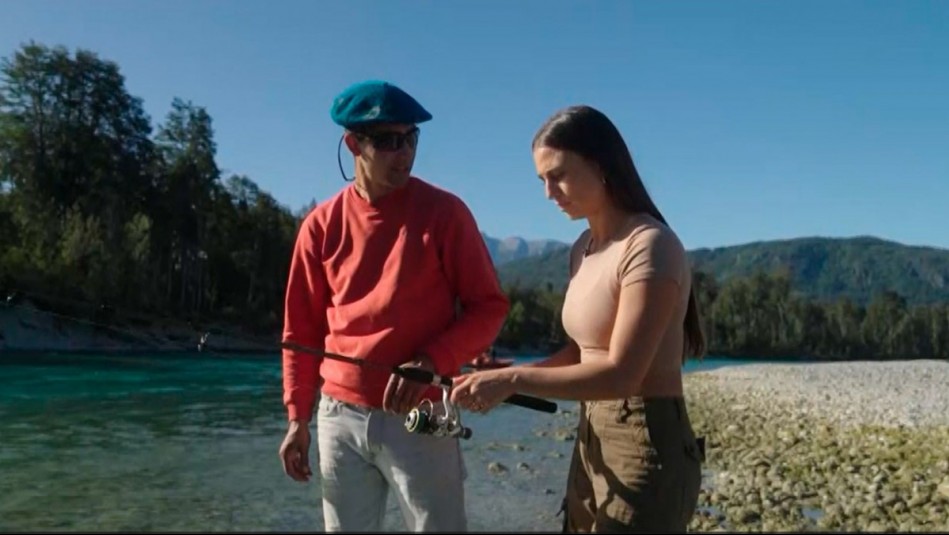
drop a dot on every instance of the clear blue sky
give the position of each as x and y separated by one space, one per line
747 120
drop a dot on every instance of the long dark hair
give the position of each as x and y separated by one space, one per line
589 133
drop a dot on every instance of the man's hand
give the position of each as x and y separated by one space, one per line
294 452
402 395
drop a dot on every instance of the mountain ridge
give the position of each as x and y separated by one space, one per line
511 248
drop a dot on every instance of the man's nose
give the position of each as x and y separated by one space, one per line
406 149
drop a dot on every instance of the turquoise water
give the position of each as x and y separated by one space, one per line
189 442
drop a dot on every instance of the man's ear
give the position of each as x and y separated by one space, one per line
352 143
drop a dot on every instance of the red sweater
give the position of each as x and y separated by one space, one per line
380 282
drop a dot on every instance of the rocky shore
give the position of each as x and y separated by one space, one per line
856 446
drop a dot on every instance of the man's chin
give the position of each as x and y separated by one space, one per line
399 178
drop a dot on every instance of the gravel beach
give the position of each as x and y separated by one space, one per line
833 446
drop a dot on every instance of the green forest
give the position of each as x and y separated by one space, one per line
100 210
762 316
99 206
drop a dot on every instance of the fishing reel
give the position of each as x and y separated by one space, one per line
424 420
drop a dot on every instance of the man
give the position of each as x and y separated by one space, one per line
376 273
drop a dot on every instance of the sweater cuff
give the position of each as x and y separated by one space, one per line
303 413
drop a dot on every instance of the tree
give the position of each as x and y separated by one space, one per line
188 184
71 140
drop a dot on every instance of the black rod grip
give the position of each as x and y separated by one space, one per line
421 376
529 402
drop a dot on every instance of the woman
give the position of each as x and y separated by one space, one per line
631 316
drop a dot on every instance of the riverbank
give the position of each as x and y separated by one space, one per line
856 446
26 328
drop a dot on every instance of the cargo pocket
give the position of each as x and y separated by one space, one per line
692 478
695 449
700 444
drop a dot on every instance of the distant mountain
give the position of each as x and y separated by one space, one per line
821 268
515 248
549 268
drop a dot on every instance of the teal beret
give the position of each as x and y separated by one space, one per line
376 101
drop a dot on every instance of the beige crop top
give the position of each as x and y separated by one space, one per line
644 249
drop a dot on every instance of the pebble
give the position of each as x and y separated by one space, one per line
855 446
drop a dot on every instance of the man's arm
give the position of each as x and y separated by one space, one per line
304 323
472 277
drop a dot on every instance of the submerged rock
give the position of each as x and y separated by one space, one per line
497 468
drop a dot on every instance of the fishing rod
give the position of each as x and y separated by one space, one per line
425 376
422 419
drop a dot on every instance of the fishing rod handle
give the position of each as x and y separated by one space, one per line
529 402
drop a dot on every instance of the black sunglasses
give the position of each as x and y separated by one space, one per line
391 141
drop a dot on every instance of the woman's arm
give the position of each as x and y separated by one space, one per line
565 356
645 309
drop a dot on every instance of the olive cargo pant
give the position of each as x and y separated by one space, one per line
636 467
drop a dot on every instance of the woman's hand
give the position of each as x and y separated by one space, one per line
482 391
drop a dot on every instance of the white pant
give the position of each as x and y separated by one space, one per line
365 451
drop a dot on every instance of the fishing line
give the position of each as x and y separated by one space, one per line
203 345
